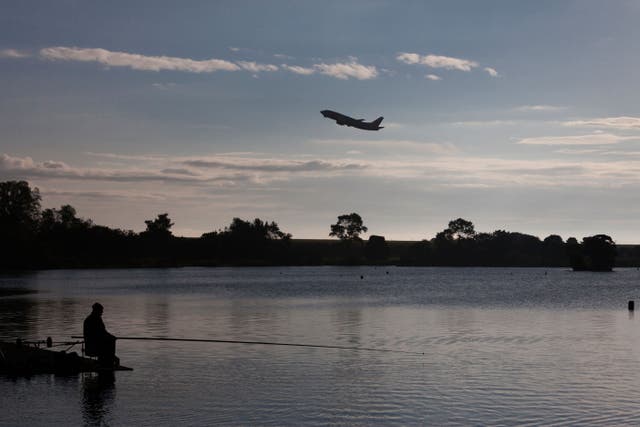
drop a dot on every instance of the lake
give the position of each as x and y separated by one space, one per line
472 346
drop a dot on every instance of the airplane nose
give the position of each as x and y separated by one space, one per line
324 113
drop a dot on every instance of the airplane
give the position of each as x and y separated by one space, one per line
343 120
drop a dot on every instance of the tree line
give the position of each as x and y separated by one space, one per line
33 237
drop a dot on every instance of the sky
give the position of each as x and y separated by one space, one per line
520 116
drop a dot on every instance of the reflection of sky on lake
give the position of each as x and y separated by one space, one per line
528 356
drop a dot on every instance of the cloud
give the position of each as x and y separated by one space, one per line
178 171
393 144
27 167
539 108
591 139
623 122
102 196
13 53
578 151
255 67
136 61
340 70
297 69
485 123
272 165
144 157
346 70
437 61
492 72
433 77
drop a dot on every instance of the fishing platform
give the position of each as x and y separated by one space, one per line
29 358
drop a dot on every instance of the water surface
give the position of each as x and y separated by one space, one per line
501 346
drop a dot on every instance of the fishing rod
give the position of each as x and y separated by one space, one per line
339 347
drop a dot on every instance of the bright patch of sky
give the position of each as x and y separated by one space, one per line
514 115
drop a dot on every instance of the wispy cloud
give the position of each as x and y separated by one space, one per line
346 70
539 108
492 72
447 167
13 53
339 70
298 70
103 195
433 77
272 165
27 167
578 151
623 122
255 67
393 144
437 61
136 61
486 123
591 139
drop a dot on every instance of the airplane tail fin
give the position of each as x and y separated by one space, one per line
378 121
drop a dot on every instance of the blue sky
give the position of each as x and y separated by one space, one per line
515 115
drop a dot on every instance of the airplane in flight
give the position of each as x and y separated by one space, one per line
343 120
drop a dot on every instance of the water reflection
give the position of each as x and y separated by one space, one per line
17 318
98 396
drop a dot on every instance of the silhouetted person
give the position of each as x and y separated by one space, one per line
97 341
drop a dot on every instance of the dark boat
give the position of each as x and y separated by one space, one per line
27 358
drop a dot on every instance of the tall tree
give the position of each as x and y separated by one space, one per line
461 229
348 228
600 252
19 204
19 216
159 227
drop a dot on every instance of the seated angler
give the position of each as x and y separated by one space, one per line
97 341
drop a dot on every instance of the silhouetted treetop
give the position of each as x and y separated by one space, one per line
159 227
461 229
257 228
19 204
348 228
65 218
599 252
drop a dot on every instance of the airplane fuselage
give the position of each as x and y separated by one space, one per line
343 120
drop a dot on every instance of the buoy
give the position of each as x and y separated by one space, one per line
631 305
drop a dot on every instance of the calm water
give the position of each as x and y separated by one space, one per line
501 347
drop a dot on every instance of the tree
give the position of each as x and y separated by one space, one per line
64 218
348 228
461 229
159 227
257 230
19 216
248 242
376 249
19 205
599 252
553 251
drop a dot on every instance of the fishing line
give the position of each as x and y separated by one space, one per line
339 347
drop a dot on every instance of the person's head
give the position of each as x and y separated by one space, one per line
97 308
